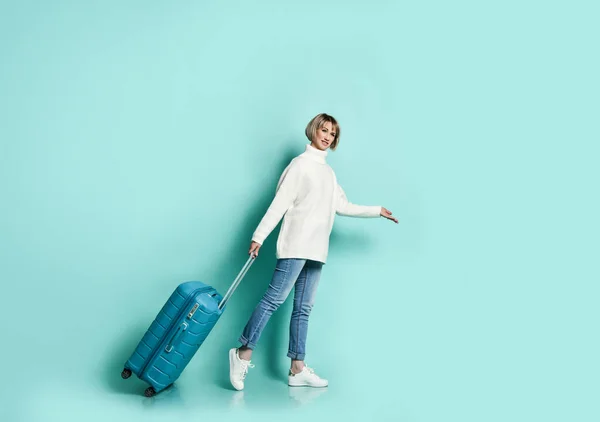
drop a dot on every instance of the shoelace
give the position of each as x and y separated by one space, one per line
245 367
310 371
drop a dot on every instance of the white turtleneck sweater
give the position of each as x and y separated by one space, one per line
309 196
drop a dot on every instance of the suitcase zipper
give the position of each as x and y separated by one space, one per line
165 336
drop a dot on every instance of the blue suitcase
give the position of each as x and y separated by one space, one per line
177 332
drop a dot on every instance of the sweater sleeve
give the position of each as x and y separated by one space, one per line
286 194
346 208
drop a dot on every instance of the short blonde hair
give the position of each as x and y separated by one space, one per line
317 123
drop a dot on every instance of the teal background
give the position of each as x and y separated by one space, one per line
141 143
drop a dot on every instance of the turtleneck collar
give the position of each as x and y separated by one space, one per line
315 154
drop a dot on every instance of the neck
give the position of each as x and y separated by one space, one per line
315 154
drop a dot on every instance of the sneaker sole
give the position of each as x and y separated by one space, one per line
231 357
306 385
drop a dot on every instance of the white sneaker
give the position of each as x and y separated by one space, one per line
306 378
238 368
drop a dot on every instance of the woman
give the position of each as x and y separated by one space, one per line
309 196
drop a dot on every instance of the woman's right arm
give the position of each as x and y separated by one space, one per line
286 194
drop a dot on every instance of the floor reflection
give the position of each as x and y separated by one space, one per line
237 400
305 395
169 397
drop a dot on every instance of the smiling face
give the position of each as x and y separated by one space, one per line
324 136
323 131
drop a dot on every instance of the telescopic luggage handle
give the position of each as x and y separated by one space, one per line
237 280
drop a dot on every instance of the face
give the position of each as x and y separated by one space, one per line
324 137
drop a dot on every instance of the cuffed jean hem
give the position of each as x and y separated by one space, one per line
245 342
295 356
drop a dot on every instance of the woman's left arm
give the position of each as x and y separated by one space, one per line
347 208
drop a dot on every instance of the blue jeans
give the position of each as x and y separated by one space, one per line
304 275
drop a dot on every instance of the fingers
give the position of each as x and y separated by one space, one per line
388 214
254 248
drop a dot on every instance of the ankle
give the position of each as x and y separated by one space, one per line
297 366
245 353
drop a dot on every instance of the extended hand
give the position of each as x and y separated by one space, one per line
388 214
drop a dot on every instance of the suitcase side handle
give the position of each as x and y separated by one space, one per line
237 281
176 336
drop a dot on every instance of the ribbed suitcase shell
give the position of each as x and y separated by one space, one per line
152 361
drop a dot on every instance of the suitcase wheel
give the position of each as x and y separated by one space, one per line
150 391
126 373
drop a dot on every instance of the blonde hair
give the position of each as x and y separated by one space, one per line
317 123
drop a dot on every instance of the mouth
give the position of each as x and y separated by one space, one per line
326 143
